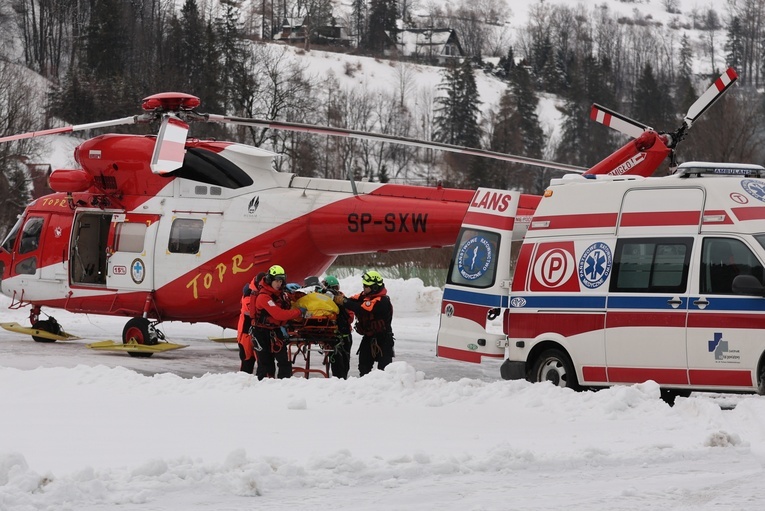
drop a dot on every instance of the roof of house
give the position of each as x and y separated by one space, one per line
411 41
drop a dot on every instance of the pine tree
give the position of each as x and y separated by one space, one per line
506 64
734 46
456 119
517 131
105 44
685 92
359 22
471 134
382 20
447 122
191 45
583 143
652 103
685 57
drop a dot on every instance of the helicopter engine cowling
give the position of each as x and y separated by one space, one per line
70 180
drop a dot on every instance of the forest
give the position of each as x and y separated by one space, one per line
99 58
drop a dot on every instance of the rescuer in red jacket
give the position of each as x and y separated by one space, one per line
270 311
243 337
374 315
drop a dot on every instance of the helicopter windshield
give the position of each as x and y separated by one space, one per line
9 240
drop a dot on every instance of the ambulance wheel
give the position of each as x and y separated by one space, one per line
47 325
555 366
140 331
761 375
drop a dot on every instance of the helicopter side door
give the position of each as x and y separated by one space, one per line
130 251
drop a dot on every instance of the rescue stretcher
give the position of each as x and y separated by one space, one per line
316 336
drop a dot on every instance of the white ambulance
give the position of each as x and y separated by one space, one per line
618 280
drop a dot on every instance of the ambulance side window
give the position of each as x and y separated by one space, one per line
651 265
722 260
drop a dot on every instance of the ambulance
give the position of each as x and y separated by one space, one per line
616 280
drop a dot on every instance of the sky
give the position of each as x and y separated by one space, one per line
88 430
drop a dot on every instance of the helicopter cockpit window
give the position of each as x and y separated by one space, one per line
27 267
185 236
30 235
11 238
129 237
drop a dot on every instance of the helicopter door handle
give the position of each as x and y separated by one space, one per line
675 302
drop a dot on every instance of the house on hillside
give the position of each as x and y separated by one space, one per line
428 44
294 31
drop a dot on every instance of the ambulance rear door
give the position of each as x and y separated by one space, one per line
478 283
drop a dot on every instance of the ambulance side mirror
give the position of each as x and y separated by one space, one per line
747 285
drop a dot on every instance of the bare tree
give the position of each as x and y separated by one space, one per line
406 81
730 131
17 115
709 36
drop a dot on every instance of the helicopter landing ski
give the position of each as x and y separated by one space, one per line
39 333
135 348
224 340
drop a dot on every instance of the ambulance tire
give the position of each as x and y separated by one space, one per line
761 376
555 366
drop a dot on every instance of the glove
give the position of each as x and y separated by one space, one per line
303 312
292 287
339 298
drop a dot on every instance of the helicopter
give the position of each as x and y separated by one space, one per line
169 228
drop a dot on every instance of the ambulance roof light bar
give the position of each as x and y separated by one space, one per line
703 168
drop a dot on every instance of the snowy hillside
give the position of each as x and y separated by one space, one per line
418 84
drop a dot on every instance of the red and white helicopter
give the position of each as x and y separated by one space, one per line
169 228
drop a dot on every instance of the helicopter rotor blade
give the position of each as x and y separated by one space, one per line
170 147
711 95
364 135
617 121
76 127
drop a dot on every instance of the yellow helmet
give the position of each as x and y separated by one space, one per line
275 272
372 279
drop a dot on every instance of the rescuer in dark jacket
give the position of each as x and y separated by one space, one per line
340 359
374 314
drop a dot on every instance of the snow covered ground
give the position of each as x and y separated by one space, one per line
86 430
